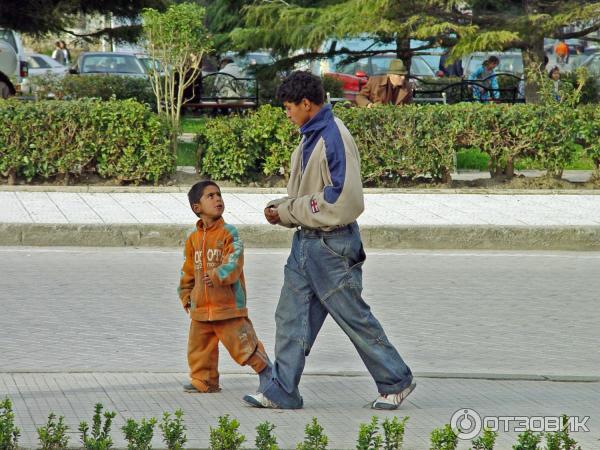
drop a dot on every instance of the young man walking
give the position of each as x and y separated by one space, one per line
323 274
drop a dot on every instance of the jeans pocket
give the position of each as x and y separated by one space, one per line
335 246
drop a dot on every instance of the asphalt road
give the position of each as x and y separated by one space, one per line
478 313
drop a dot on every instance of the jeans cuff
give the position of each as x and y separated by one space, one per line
281 398
395 388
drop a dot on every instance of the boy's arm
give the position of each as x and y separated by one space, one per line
186 283
233 260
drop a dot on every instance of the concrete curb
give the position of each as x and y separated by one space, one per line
482 237
281 190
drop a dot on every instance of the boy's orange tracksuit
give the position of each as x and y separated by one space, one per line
219 312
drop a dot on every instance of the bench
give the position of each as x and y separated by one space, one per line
222 93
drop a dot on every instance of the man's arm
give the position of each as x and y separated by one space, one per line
363 98
339 203
233 260
187 281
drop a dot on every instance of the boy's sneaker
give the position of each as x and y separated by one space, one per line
392 401
258 400
190 388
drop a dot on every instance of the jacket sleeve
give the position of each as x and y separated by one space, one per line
233 260
187 281
339 203
363 98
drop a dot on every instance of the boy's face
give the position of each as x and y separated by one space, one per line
211 204
299 113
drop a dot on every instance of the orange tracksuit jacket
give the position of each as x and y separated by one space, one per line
217 251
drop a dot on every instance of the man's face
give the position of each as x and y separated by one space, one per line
396 79
299 113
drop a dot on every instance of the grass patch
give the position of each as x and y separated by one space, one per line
186 154
192 124
472 160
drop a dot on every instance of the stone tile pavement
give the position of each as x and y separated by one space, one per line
417 209
339 403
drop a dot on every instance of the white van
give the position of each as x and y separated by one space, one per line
13 61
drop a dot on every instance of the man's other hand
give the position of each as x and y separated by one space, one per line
272 215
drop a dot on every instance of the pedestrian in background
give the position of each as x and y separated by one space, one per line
58 54
485 86
390 89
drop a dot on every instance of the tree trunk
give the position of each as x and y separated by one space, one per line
533 63
403 51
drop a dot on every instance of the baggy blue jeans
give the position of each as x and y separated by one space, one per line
323 275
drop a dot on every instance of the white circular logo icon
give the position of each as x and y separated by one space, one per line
467 422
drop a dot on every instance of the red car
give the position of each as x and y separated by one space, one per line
355 75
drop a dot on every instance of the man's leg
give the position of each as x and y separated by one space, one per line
298 319
335 268
203 357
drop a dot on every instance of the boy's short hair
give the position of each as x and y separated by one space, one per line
197 190
301 85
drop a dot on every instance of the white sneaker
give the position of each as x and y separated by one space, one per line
258 400
392 401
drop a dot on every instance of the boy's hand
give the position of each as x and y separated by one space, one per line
187 309
207 280
272 215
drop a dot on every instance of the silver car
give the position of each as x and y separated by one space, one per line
108 63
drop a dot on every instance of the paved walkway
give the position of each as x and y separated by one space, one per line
339 403
382 209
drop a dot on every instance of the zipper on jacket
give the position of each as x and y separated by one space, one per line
204 268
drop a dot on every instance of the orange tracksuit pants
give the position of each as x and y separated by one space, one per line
237 336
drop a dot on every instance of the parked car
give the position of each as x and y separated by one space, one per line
13 62
354 75
121 64
43 65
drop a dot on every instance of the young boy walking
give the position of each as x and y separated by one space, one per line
323 274
213 292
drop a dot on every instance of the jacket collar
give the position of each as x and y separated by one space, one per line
217 223
319 121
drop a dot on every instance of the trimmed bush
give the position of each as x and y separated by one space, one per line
411 141
104 87
119 139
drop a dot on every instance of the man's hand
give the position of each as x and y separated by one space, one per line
187 308
272 215
207 280
370 105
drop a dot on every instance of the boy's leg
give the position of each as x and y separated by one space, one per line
335 268
240 340
203 356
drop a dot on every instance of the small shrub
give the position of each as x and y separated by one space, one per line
53 435
100 438
368 437
528 440
393 433
9 433
486 441
314 437
173 430
443 438
265 440
226 436
139 435
560 440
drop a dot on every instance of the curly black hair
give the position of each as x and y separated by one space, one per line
301 85
197 190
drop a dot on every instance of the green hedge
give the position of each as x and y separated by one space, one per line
119 139
411 141
103 87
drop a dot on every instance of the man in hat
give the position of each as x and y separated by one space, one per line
390 89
